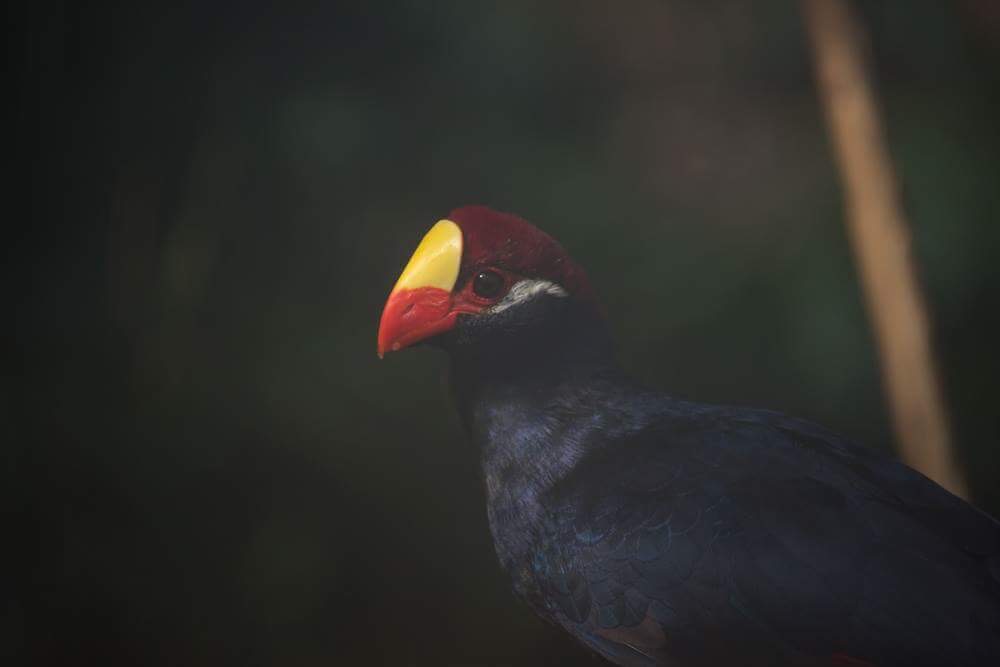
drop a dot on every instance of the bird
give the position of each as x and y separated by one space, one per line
662 531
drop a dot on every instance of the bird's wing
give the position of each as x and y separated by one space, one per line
752 533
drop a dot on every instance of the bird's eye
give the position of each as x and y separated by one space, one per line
488 284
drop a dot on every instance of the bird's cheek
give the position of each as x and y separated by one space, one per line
412 315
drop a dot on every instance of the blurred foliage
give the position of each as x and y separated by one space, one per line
208 461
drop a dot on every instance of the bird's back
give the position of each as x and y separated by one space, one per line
714 533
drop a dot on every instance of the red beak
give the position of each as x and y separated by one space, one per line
411 315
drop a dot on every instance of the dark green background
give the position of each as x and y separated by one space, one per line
208 464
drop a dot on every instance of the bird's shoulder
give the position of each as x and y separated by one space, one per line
695 454
708 517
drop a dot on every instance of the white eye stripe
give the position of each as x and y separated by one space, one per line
525 290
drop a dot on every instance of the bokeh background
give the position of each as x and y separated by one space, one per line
207 464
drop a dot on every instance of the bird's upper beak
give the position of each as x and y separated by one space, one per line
419 306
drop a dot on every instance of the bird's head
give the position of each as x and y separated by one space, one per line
478 272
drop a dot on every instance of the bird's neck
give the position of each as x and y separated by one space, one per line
534 408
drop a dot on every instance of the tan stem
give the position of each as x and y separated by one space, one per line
880 239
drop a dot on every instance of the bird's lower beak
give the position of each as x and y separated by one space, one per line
411 315
419 306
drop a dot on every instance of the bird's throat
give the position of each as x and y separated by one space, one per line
528 406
